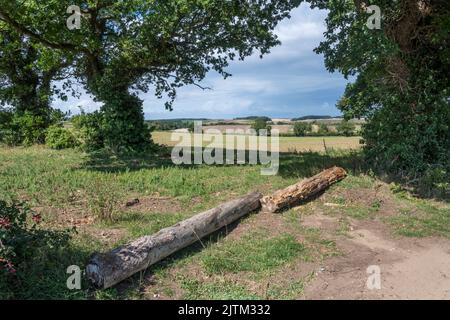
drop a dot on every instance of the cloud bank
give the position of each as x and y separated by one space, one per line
289 82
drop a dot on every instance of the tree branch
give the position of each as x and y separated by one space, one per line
4 16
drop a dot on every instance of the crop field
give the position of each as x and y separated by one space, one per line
263 256
287 144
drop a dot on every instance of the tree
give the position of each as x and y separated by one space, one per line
125 47
26 86
261 124
402 78
301 129
346 128
26 72
323 129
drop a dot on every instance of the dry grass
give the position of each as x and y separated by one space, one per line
287 144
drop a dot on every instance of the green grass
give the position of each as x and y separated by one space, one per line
69 185
291 291
218 290
253 253
421 218
361 211
139 224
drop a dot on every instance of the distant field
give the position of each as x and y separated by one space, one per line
281 128
287 143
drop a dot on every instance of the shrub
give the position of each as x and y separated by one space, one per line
435 182
60 138
323 130
346 128
23 246
261 124
409 144
89 130
301 129
26 128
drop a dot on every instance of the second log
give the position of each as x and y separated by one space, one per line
305 189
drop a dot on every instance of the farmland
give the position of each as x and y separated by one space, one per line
287 144
202 150
268 256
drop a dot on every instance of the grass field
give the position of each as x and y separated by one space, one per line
262 256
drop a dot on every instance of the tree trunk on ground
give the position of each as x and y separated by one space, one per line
293 195
106 270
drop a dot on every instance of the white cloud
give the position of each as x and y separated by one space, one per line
291 80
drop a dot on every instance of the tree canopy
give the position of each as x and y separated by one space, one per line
401 76
26 72
125 47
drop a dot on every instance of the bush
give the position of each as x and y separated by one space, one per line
17 129
301 129
89 130
409 144
26 128
60 138
346 128
261 124
323 130
23 247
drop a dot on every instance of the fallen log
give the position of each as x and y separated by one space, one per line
305 189
107 269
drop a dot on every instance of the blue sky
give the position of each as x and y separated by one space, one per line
289 82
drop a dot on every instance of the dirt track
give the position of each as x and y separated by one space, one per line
410 268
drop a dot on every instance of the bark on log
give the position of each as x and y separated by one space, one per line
107 269
293 195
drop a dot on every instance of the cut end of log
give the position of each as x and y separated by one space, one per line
93 274
305 189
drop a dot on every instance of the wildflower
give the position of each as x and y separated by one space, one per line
5 223
37 218
8 264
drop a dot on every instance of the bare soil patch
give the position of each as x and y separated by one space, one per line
410 268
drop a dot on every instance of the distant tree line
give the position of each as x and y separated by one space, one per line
313 117
169 125
254 118
344 128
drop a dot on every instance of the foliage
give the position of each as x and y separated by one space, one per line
22 243
323 130
254 118
301 129
26 128
103 199
26 72
89 130
261 124
17 129
402 81
60 138
312 117
168 125
130 46
346 128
